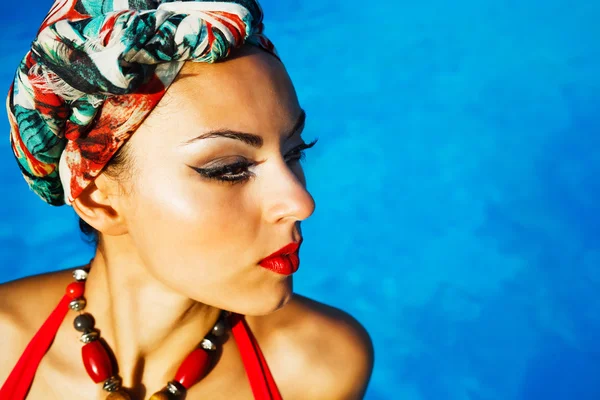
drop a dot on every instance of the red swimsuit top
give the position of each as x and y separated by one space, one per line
19 381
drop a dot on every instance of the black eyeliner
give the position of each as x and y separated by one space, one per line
223 169
220 173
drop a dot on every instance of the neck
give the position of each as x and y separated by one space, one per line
149 327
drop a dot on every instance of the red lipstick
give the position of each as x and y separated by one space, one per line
284 261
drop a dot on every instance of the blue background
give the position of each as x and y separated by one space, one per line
456 181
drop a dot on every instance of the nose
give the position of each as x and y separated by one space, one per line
286 197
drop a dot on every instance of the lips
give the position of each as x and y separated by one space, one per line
284 261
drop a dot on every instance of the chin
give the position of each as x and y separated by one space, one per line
274 299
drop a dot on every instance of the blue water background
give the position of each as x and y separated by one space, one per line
456 181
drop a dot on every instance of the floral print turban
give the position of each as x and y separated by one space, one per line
96 70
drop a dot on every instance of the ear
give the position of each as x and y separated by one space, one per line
99 206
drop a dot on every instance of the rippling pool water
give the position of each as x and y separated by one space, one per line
456 181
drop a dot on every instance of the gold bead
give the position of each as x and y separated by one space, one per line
118 395
164 394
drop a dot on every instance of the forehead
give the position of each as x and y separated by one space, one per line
250 91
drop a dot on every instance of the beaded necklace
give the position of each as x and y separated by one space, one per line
99 365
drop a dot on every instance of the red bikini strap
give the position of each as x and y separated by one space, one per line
19 381
262 382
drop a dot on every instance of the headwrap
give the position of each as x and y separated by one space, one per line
96 70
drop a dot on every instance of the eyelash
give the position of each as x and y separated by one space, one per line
226 173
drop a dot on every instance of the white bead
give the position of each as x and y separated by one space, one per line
77 304
112 384
176 388
89 337
80 274
208 345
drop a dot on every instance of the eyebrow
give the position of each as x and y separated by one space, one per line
248 138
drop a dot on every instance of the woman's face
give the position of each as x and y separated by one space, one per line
204 208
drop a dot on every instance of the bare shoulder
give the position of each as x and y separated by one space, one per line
316 351
25 305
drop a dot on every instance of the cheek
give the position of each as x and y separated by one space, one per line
192 225
204 240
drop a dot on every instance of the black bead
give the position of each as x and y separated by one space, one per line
84 322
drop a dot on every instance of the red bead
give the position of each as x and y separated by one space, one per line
75 289
96 361
193 368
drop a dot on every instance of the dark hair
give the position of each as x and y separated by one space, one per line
89 233
119 168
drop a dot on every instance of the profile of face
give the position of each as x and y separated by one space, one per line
204 204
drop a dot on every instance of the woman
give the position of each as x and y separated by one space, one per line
196 213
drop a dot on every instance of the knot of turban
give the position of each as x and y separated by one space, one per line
96 70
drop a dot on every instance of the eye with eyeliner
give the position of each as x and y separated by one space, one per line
237 172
